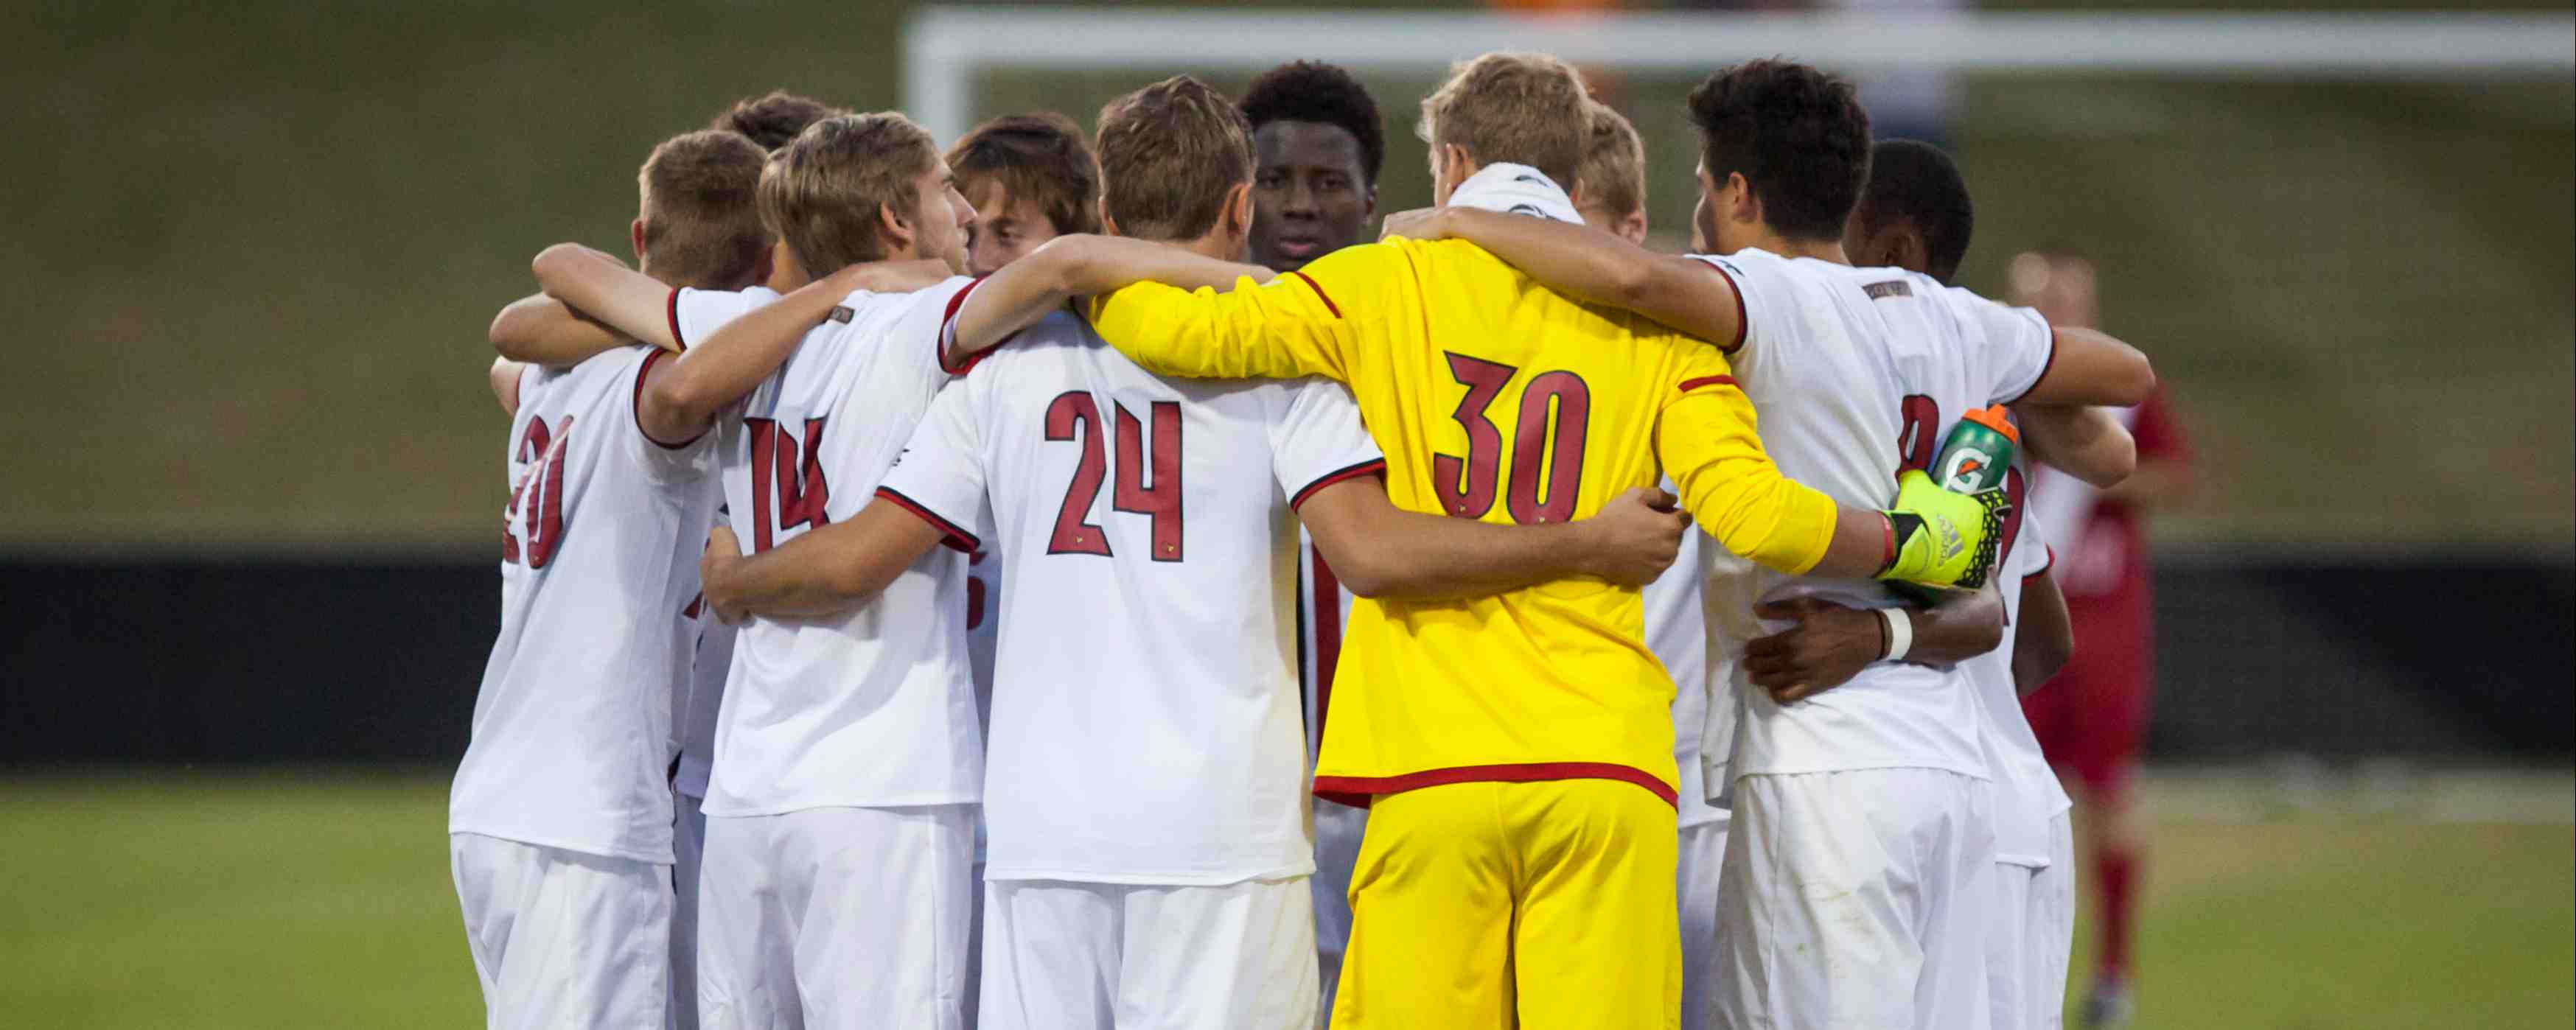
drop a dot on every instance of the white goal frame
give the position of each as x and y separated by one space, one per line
946 48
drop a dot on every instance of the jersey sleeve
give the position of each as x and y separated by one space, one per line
940 475
1303 323
696 314
2009 347
1317 440
1759 296
1705 436
665 464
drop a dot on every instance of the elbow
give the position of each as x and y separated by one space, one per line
1370 579
502 335
552 264
2139 381
2110 464
2042 661
674 394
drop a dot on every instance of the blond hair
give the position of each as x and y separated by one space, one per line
1524 108
701 225
822 192
1613 175
1169 154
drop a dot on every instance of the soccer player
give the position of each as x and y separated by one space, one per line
560 820
1145 776
2092 716
774 119
1317 147
1518 747
1862 826
1612 185
848 755
1032 178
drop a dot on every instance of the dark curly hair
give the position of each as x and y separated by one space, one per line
774 119
1312 91
1914 180
1797 135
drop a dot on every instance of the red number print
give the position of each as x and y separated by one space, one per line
1467 487
794 474
1162 500
540 493
1072 534
1919 422
1559 452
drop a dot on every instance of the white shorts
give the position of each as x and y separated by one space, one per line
1093 956
2026 944
688 848
1856 900
835 917
1338 829
1702 854
562 938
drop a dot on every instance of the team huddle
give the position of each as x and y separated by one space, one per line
914 566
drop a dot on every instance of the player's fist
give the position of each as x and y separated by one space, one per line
1825 646
1943 539
715 569
1635 537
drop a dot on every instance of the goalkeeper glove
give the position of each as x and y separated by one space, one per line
1943 539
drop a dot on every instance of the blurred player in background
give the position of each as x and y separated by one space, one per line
561 817
1317 147
2092 716
1611 185
1520 856
840 809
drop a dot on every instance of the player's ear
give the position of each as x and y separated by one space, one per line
636 231
1632 227
1574 193
896 229
1368 203
1237 212
1741 205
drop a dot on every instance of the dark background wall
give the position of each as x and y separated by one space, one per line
267 661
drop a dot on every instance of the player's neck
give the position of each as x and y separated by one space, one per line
1822 250
1218 244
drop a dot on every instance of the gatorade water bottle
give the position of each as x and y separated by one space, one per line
1976 455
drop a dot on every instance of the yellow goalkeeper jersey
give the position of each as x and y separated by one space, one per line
1494 399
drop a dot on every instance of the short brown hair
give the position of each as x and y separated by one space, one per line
1798 136
821 193
1613 176
1517 107
1168 155
1040 157
775 119
701 224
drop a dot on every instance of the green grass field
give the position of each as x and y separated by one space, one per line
320 898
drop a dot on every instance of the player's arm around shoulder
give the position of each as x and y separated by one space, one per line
1077 265
833 569
600 286
680 399
540 330
1303 323
2088 366
1595 266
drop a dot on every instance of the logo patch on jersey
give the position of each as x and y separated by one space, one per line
1890 288
842 314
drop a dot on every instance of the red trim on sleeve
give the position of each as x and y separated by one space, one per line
1689 385
2043 366
672 310
1373 466
646 369
948 331
2049 562
1327 592
1357 791
1743 322
1320 294
957 539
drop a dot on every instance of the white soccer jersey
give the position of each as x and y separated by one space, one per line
1145 723
693 713
2027 794
1859 373
874 707
599 555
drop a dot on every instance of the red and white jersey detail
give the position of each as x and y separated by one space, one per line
874 707
1145 723
572 727
1859 373
2027 794
693 713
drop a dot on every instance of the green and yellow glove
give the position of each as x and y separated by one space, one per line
1943 539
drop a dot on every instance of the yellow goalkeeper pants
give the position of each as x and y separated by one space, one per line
1544 905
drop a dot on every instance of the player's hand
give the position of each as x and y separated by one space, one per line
1944 539
1421 223
1635 537
714 569
1826 645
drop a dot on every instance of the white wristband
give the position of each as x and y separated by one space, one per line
1900 633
